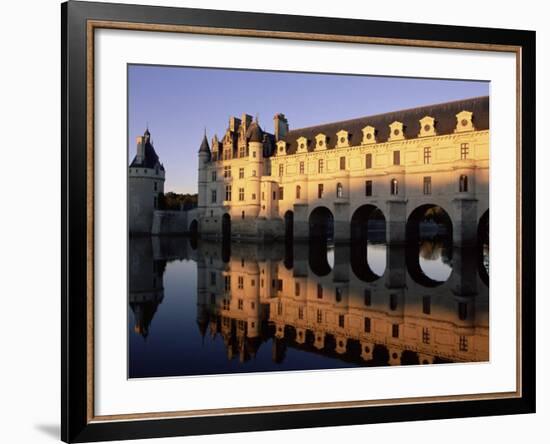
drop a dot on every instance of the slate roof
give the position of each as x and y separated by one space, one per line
443 113
150 160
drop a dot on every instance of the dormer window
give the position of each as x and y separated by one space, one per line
427 127
396 131
342 139
301 143
464 122
369 133
320 142
281 148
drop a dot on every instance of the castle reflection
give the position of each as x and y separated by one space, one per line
201 307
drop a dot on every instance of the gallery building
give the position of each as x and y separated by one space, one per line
318 180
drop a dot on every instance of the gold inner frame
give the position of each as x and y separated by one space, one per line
92 25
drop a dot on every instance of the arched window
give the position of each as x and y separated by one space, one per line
298 190
394 189
463 184
339 190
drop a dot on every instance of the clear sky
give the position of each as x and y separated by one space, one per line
178 103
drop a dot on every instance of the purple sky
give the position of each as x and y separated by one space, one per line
178 103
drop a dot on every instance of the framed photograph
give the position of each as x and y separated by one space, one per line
275 221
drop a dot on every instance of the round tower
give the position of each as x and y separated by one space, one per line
255 138
146 177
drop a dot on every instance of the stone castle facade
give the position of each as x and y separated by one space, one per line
257 185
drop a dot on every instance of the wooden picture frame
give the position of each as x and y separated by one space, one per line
79 22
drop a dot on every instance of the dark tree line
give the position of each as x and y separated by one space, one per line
176 201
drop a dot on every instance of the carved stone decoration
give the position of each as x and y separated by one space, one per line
369 135
464 122
396 131
342 139
281 148
427 127
320 142
301 143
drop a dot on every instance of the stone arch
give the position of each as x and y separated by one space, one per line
289 225
367 224
439 227
226 225
321 233
194 227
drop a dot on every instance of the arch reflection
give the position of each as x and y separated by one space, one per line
254 309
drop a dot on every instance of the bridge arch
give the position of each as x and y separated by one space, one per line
321 233
194 227
429 231
367 225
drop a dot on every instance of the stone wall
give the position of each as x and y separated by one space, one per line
169 222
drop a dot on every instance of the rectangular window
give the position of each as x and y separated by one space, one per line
426 305
428 185
281 169
302 168
214 176
240 304
319 291
319 316
464 150
227 172
241 173
281 193
367 325
300 313
240 282
212 278
242 151
213 196
321 166
279 284
227 283
368 160
395 330
228 192
263 195
155 202
227 154
342 163
296 289
320 190
155 186
427 155
253 196
279 308
368 188
397 157
274 195
241 194
341 321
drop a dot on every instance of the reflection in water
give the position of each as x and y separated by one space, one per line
208 308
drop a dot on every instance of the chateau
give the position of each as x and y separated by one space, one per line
319 181
304 182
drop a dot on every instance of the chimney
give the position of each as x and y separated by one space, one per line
281 126
140 150
246 121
